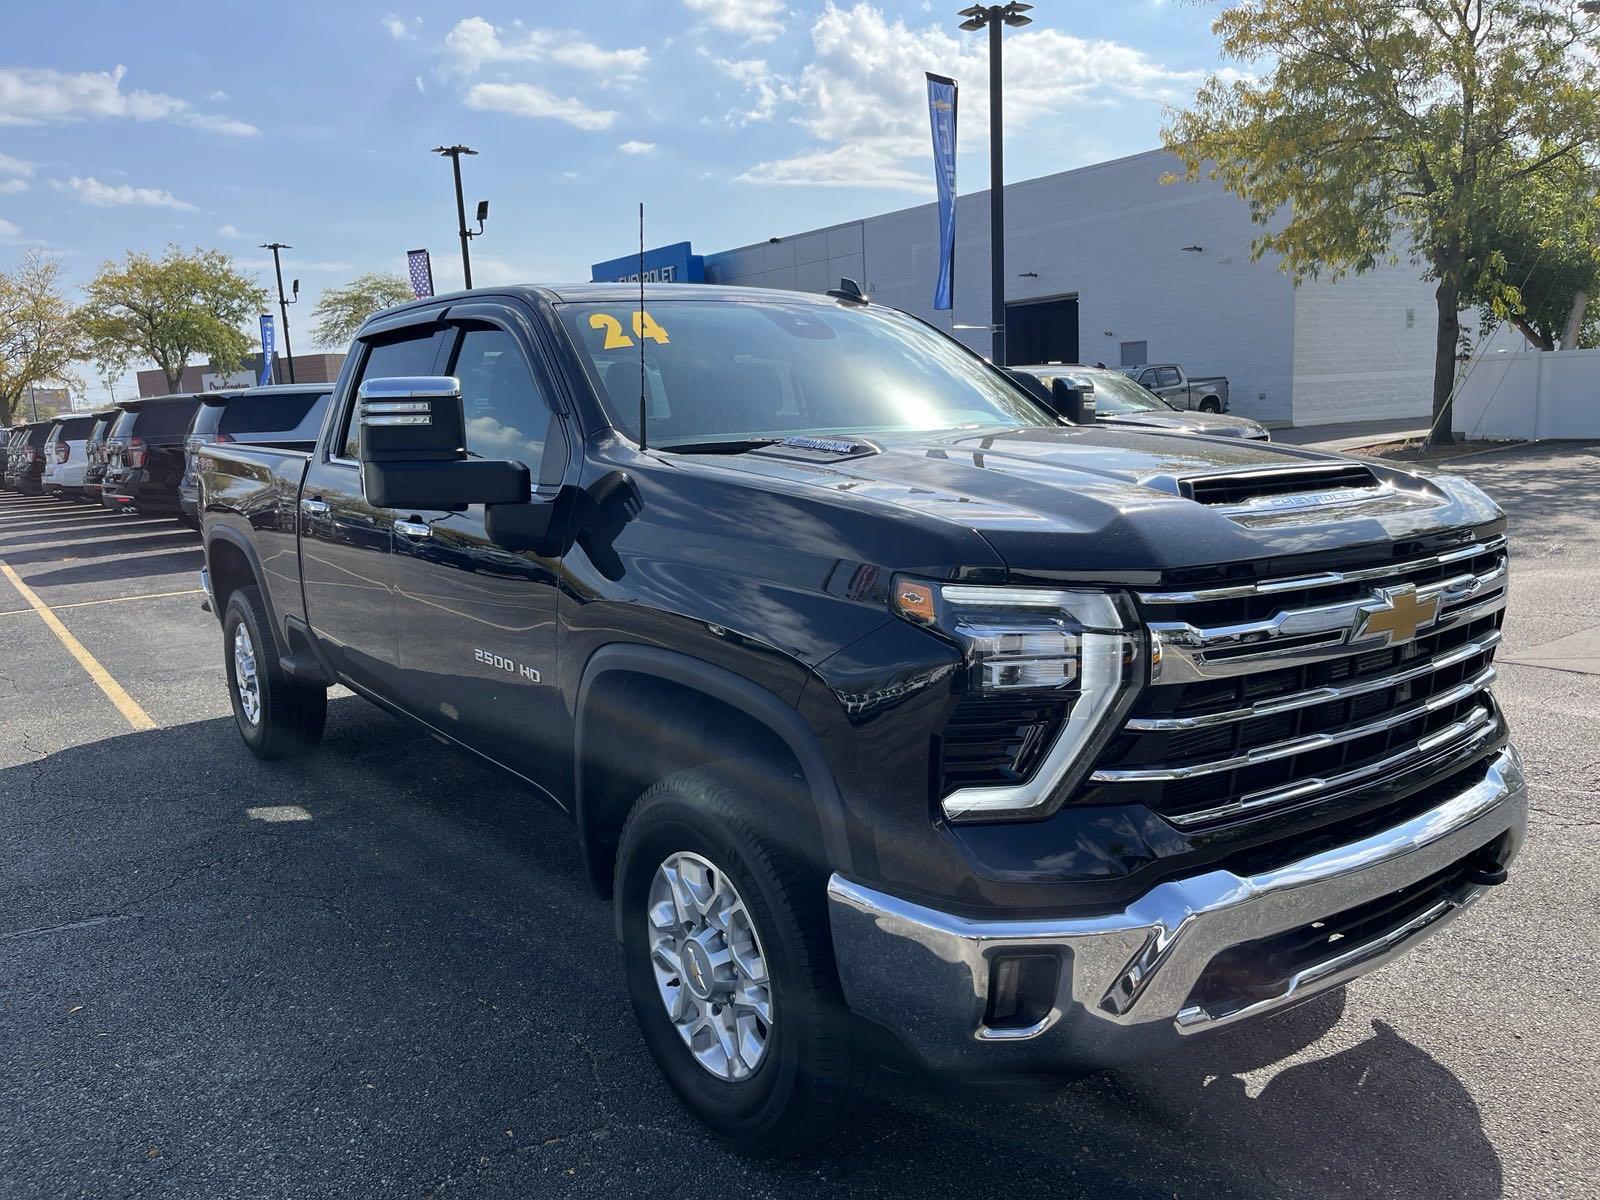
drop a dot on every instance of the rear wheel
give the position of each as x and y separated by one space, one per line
278 717
730 968
1210 405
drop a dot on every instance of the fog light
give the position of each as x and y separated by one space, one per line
1022 990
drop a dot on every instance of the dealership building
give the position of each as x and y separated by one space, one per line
1110 264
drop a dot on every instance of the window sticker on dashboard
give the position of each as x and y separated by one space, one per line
644 326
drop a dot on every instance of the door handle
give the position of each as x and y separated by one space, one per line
316 508
414 529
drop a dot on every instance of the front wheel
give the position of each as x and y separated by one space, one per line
730 969
278 717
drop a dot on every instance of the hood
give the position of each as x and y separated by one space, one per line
1214 424
1102 503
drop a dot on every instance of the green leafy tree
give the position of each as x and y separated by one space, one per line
1547 230
40 336
1376 124
341 311
169 309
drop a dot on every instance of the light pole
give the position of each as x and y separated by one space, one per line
995 17
454 153
283 305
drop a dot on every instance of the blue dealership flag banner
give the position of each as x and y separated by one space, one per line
420 267
267 349
942 114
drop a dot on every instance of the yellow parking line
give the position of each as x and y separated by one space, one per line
130 710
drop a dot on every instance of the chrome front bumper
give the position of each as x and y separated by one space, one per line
1127 982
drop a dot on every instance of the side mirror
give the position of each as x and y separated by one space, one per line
413 446
1073 399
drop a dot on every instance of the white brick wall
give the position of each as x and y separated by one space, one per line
1363 347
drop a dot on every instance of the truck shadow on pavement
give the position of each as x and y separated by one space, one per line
411 992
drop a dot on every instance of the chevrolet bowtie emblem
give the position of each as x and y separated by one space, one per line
1395 615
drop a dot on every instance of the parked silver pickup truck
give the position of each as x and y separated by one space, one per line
1203 394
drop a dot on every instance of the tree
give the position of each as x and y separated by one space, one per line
341 311
1548 231
1377 123
40 336
169 309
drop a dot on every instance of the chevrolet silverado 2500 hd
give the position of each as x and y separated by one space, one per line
896 715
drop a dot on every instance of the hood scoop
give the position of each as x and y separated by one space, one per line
1284 489
821 449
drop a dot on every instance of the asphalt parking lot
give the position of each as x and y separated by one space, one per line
411 993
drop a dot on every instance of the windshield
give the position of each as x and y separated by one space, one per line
733 370
1115 394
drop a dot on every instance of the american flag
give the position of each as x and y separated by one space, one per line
421 273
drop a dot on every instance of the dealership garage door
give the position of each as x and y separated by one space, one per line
1042 331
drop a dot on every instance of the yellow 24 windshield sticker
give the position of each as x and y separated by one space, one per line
644 326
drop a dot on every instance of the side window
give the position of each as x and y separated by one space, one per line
1148 379
1169 376
411 353
507 418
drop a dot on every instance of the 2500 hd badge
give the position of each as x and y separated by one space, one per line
501 663
899 717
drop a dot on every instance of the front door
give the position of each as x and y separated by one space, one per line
345 543
477 623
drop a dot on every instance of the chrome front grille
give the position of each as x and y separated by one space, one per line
1278 692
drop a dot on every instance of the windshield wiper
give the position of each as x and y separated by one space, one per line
733 446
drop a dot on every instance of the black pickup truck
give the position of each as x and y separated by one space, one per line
903 721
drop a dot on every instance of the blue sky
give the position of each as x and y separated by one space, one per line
229 125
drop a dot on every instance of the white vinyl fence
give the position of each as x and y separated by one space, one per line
1530 396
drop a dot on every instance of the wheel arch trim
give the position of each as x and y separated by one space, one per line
238 541
734 690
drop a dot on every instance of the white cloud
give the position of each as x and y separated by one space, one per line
106 195
228 231
298 264
870 119
752 20
634 147
530 100
10 187
474 42
8 230
854 165
15 166
767 89
397 28
41 96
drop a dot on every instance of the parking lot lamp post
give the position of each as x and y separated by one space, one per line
454 153
283 304
995 17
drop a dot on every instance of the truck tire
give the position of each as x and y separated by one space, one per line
278 717
758 979
1211 405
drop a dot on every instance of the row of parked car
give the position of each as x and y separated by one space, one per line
141 454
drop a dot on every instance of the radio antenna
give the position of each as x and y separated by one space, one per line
639 332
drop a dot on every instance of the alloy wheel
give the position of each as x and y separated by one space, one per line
709 966
245 680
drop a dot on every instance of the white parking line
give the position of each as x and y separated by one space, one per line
12 612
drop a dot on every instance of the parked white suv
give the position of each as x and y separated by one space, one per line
66 456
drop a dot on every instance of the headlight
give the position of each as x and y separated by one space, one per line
1078 646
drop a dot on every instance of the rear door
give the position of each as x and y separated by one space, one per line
345 551
477 623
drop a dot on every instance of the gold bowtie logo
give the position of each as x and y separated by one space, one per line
1395 615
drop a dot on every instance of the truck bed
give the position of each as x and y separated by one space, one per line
251 494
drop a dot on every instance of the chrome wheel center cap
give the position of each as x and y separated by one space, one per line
697 970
